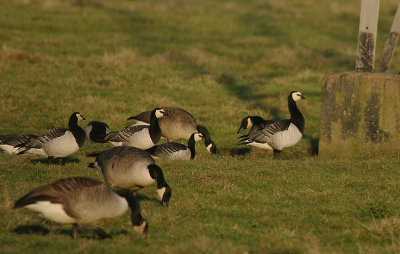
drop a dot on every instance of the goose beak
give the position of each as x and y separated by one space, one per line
240 129
302 97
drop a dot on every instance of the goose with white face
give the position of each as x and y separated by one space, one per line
160 113
198 137
296 96
79 117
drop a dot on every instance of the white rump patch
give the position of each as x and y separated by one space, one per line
9 149
51 211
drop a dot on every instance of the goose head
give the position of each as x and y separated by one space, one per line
164 193
198 136
296 96
159 112
246 123
211 147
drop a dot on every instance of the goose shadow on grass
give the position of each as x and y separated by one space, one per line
138 196
37 229
246 94
56 161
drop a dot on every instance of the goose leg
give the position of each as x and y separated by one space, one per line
98 231
277 154
75 231
50 159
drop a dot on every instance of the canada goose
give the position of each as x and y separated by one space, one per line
178 124
131 168
96 131
140 136
9 143
79 201
177 151
59 142
281 134
255 123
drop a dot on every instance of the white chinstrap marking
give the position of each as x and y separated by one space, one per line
161 192
209 147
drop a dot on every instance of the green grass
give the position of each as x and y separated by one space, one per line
221 61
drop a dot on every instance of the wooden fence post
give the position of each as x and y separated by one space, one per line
390 43
367 35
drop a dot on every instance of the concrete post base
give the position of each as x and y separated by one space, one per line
360 115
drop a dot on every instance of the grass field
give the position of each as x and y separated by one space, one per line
221 61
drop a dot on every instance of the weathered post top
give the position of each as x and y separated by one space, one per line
390 43
367 35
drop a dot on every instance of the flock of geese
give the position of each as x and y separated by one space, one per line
130 165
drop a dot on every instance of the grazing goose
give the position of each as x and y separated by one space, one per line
9 143
178 124
281 134
140 136
176 151
79 201
131 168
255 123
59 142
96 131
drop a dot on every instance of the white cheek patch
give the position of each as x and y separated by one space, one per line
140 229
209 147
249 123
159 113
198 137
296 96
161 192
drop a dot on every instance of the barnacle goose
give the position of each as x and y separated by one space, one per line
140 136
96 131
9 143
59 142
178 124
131 168
177 151
281 134
79 201
255 123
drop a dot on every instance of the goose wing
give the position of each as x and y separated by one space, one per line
166 149
265 135
16 140
125 134
55 192
38 142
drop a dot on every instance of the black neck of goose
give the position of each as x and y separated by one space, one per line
157 174
133 202
76 130
295 115
154 129
191 145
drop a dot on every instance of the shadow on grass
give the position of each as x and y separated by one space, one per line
31 229
37 229
314 143
57 161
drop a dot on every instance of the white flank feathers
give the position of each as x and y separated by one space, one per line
51 211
